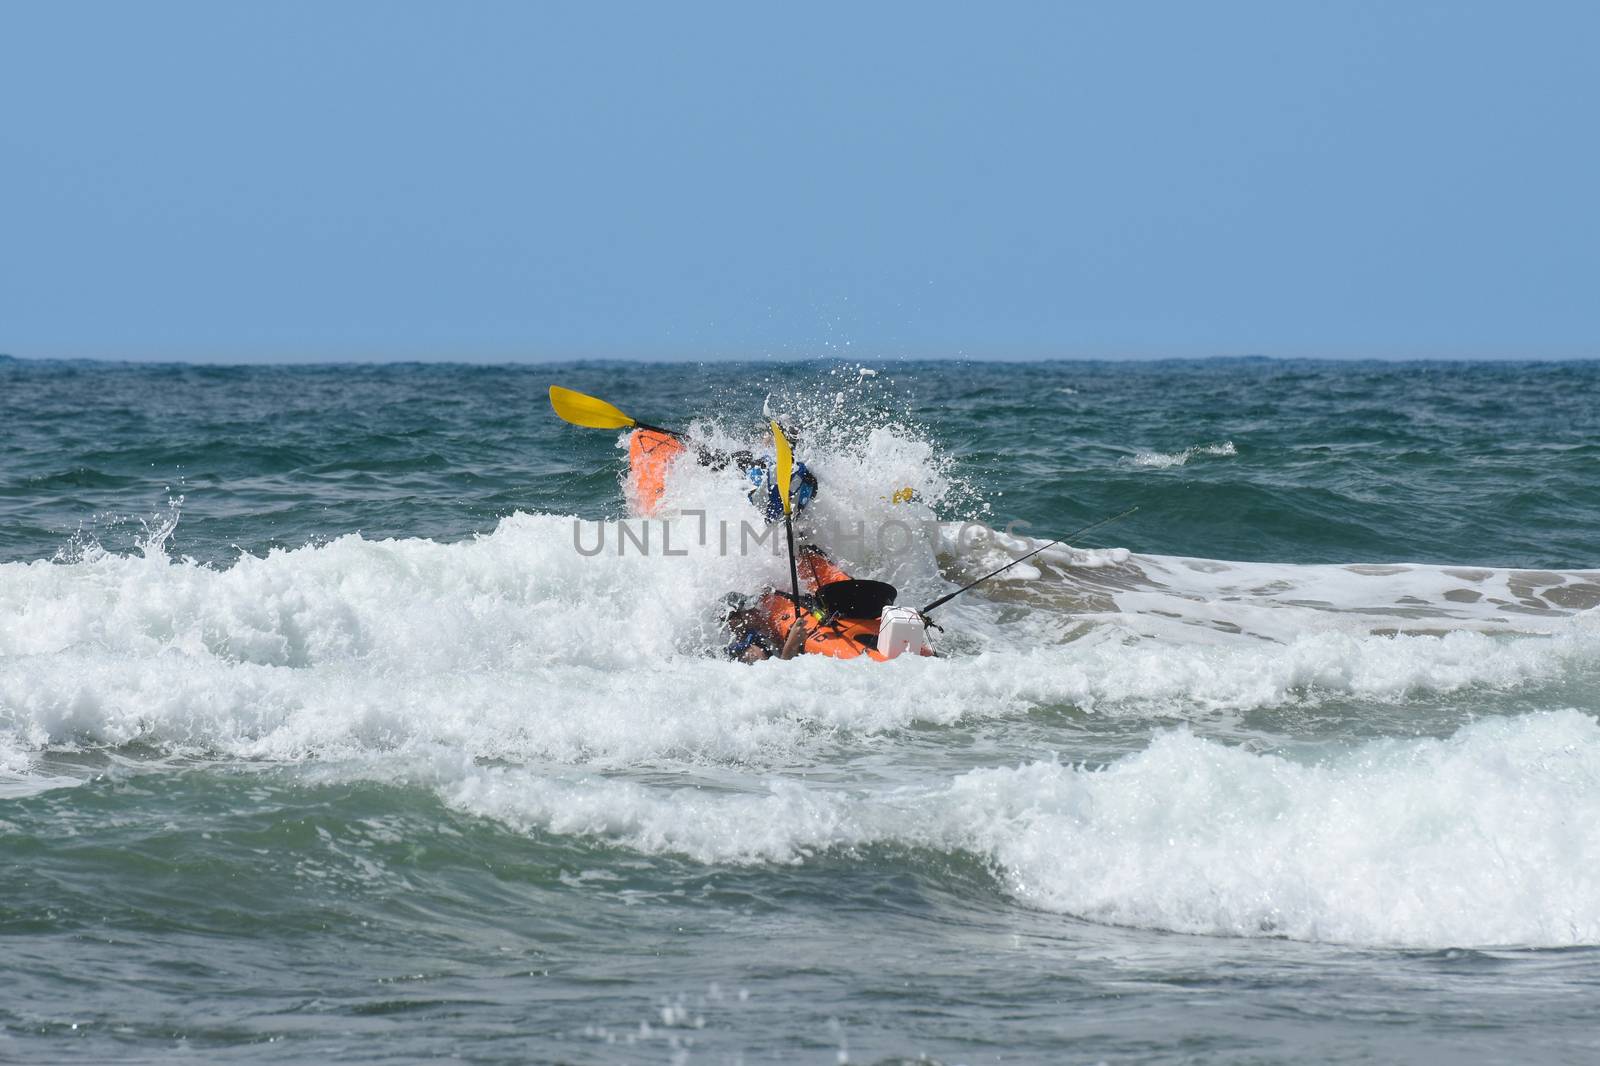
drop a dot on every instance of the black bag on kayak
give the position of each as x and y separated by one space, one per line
856 599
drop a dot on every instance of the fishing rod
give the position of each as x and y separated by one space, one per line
942 600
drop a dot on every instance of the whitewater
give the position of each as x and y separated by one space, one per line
305 740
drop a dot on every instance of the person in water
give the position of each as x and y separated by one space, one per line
760 472
763 492
753 638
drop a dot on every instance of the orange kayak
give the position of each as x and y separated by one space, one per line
817 570
832 629
650 455
840 639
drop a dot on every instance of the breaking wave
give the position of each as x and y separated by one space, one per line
1490 837
513 643
527 680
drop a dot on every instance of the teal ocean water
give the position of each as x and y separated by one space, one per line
324 736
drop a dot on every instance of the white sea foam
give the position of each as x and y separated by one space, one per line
1490 837
700 710
514 644
1163 460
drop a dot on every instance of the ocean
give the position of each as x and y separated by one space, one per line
327 734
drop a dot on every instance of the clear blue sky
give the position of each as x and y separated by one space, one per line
543 181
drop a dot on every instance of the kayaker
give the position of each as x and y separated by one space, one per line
651 450
753 639
763 491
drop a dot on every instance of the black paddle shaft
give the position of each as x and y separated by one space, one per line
794 569
942 600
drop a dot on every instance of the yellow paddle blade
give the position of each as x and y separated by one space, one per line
583 410
785 469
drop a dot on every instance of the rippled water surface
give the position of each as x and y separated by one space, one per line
320 740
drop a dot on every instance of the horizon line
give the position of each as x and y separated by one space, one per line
769 360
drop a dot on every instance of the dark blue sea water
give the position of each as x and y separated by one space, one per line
320 740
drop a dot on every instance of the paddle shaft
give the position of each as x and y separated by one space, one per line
942 600
794 569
